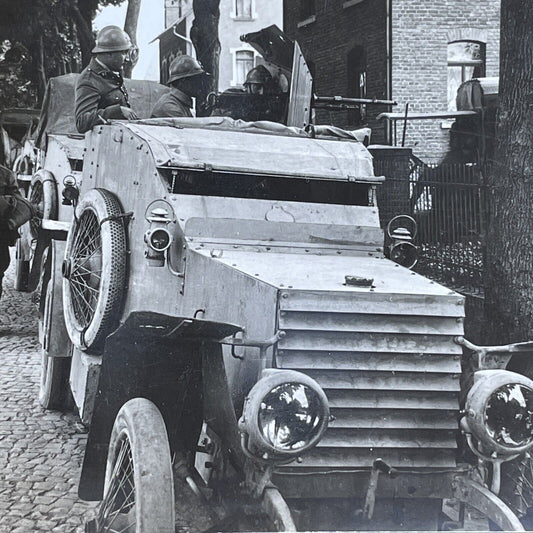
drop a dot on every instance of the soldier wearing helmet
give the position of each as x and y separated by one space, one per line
186 76
100 91
258 81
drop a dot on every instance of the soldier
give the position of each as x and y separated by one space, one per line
100 91
8 192
185 81
259 81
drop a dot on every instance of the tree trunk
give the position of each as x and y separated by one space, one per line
204 35
37 53
130 27
509 248
85 34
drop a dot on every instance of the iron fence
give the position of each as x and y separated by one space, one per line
448 202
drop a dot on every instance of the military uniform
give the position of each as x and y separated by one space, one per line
99 95
175 103
8 186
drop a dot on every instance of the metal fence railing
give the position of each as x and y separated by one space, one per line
448 202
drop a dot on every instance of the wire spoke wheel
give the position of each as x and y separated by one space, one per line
117 511
517 476
139 488
86 268
94 270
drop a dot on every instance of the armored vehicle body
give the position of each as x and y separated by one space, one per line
216 297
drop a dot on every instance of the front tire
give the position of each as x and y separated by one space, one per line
139 490
517 476
22 268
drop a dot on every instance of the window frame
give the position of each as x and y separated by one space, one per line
464 64
236 17
234 52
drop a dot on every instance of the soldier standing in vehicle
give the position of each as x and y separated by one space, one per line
186 77
259 81
8 236
100 90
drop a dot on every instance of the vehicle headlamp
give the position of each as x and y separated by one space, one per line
159 239
499 411
285 414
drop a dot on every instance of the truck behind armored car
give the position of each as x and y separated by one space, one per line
216 298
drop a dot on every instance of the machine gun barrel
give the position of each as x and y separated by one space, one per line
323 102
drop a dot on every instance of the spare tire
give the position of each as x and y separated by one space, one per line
94 270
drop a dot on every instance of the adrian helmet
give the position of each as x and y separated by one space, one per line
112 39
184 66
259 75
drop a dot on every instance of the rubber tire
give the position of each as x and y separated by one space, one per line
140 421
113 277
54 392
511 470
54 388
46 180
22 269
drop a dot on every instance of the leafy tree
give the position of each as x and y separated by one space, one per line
40 39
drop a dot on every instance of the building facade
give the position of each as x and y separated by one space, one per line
237 17
410 51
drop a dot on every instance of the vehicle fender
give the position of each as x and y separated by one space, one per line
219 411
151 356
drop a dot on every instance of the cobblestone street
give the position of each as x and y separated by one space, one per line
40 451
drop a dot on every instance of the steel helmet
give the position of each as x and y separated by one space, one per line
111 39
184 66
259 75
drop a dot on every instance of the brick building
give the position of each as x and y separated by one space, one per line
414 51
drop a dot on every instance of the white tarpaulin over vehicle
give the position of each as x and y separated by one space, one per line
262 148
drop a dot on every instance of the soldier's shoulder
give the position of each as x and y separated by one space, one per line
87 75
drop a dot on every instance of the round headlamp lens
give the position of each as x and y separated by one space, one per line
160 240
509 415
290 416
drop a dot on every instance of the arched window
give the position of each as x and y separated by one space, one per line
244 61
466 60
356 83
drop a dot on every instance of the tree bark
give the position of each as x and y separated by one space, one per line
130 27
85 35
509 248
39 67
204 35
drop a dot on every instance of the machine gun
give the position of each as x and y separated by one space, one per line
292 103
284 58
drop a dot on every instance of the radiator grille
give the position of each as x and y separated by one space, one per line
390 370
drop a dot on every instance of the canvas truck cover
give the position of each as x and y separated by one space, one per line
261 148
57 113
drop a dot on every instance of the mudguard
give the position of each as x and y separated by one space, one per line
153 356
